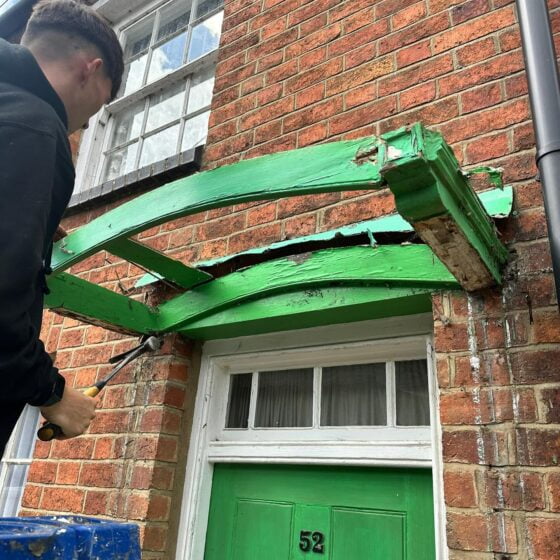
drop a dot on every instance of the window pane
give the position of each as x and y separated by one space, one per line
167 57
196 130
23 436
285 399
200 94
136 42
354 395
205 36
239 400
174 18
133 75
128 124
12 489
165 107
207 6
121 162
413 405
160 145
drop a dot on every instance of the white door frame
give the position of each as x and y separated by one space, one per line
218 354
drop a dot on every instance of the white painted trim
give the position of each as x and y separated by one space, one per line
221 356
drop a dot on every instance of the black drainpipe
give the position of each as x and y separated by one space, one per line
544 94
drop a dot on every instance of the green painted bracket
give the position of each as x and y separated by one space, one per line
74 297
433 194
430 190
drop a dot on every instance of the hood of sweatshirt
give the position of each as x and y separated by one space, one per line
19 68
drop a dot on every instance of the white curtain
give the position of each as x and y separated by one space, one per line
354 396
411 382
285 399
239 400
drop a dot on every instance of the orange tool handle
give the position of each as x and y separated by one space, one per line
49 431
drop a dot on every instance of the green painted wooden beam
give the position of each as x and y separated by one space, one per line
311 308
410 266
316 169
148 258
74 297
434 195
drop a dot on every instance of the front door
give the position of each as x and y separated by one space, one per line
280 512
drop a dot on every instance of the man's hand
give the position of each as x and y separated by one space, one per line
73 413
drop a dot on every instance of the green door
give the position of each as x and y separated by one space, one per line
278 512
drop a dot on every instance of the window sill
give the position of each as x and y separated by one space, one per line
145 178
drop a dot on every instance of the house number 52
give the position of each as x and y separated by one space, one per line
312 541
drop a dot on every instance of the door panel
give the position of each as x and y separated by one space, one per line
279 512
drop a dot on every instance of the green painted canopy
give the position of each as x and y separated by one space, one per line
432 195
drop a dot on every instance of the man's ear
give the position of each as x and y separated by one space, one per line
93 66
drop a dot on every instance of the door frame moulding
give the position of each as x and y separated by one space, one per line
219 353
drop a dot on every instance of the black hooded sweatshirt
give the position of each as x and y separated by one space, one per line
36 182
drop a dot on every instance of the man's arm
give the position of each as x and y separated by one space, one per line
27 373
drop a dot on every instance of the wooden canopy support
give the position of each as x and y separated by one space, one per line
431 193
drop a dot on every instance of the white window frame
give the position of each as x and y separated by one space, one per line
24 431
403 337
94 141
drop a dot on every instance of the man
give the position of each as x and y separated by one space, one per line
68 65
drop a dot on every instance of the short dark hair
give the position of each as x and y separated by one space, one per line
72 18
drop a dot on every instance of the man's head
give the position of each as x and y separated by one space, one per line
79 54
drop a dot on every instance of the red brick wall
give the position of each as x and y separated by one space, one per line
295 72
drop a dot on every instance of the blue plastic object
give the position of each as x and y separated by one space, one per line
67 538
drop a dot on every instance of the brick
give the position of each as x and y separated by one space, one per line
487 148
476 52
68 472
114 421
363 115
310 95
514 491
543 538
159 507
365 35
474 446
359 56
480 98
220 228
301 204
272 44
477 532
31 496
360 19
300 226
62 500
255 237
372 206
523 139
313 41
270 94
412 34
550 398
274 28
265 114
516 86
490 120
360 95
272 12
414 53
315 75
313 58
408 16
553 491
77 448
472 30
469 10
412 76
538 447
418 95
342 10
155 538
42 471
491 69
459 489
96 503
309 11
235 145
461 407
281 72
313 114
435 6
